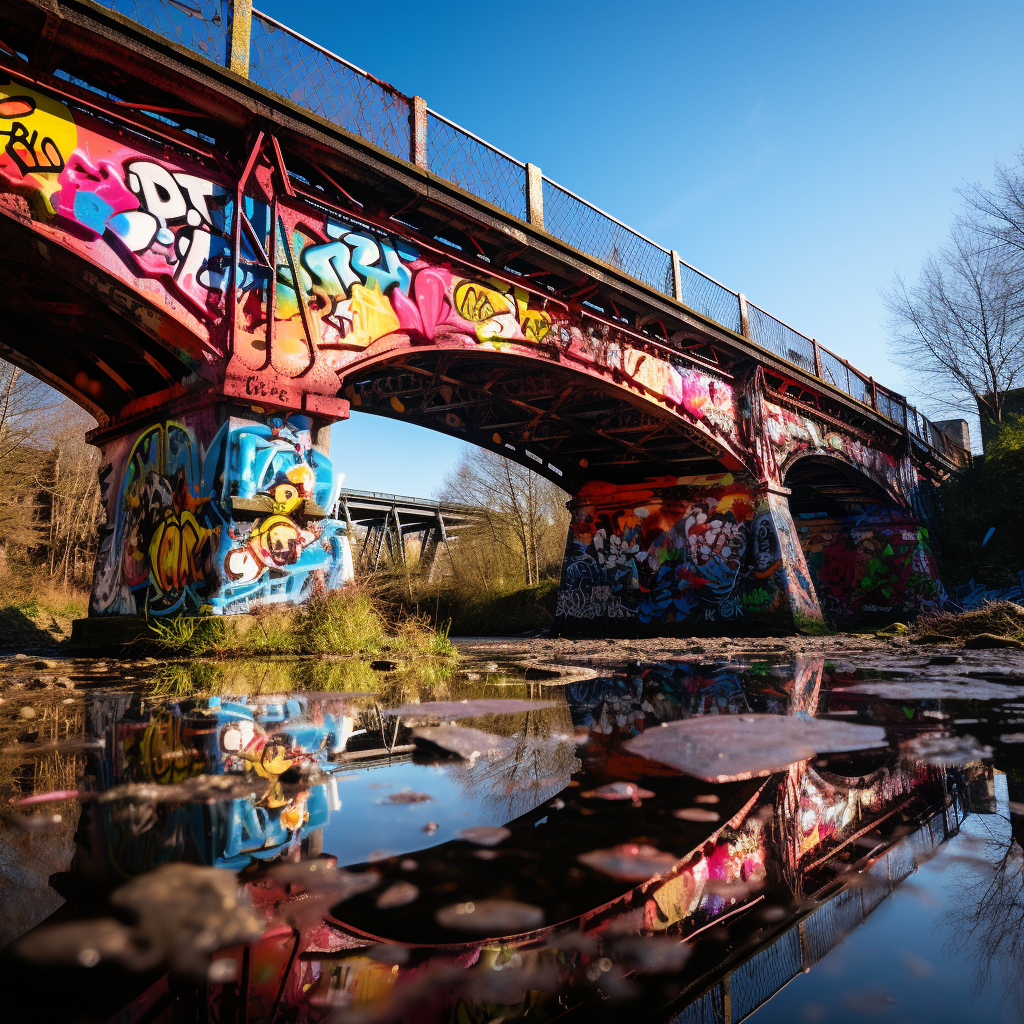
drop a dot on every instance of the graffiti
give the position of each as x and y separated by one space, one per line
680 550
971 595
878 562
793 436
337 289
21 146
172 224
38 132
229 525
157 220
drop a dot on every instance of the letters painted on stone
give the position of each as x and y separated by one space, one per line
695 550
228 525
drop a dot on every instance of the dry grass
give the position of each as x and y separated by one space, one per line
467 610
353 621
37 613
1000 618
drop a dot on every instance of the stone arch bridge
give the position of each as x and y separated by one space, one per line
219 238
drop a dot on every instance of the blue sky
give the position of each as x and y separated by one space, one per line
800 153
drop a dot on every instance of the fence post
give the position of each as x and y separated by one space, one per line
874 394
744 316
535 196
818 371
241 36
418 116
677 276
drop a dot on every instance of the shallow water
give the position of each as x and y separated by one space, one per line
540 857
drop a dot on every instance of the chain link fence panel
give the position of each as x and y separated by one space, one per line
775 336
199 25
708 297
470 163
756 981
831 923
708 1008
310 77
587 229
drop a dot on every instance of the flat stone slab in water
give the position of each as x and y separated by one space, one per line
944 689
729 748
463 740
468 708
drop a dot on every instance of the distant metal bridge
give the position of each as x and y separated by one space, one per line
389 519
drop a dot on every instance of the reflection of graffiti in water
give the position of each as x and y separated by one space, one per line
274 742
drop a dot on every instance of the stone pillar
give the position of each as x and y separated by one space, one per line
220 510
701 554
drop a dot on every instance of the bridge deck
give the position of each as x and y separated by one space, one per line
299 74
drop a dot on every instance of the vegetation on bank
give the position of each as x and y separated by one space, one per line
977 524
998 624
34 613
350 622
463 610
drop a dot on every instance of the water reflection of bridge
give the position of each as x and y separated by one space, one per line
754 976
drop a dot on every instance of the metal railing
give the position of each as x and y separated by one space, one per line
272 56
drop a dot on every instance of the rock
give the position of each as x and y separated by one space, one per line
384 666
725 748
469 708
45 663
38 683
985 641
491 917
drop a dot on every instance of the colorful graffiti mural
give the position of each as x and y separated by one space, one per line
228 518
793 436
681 550
875 563
262 740
281 302
360 289
314 293
148 221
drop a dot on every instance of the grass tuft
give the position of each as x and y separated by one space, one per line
998 618
346 622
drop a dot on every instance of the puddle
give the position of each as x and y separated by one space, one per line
674 841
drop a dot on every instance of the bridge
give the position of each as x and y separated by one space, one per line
390 519
220 237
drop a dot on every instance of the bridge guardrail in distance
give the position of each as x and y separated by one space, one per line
284 62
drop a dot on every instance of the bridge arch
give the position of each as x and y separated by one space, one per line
562 421
866 551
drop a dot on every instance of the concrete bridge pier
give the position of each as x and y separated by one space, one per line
709 553
222 508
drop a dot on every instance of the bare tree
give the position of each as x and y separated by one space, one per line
997 213
959 330
526 519
70 485
27 408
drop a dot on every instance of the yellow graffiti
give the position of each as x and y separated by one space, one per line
477 302
536 325
176 541
370 313
37 135
500 316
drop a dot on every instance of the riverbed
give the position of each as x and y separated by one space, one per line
796 829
